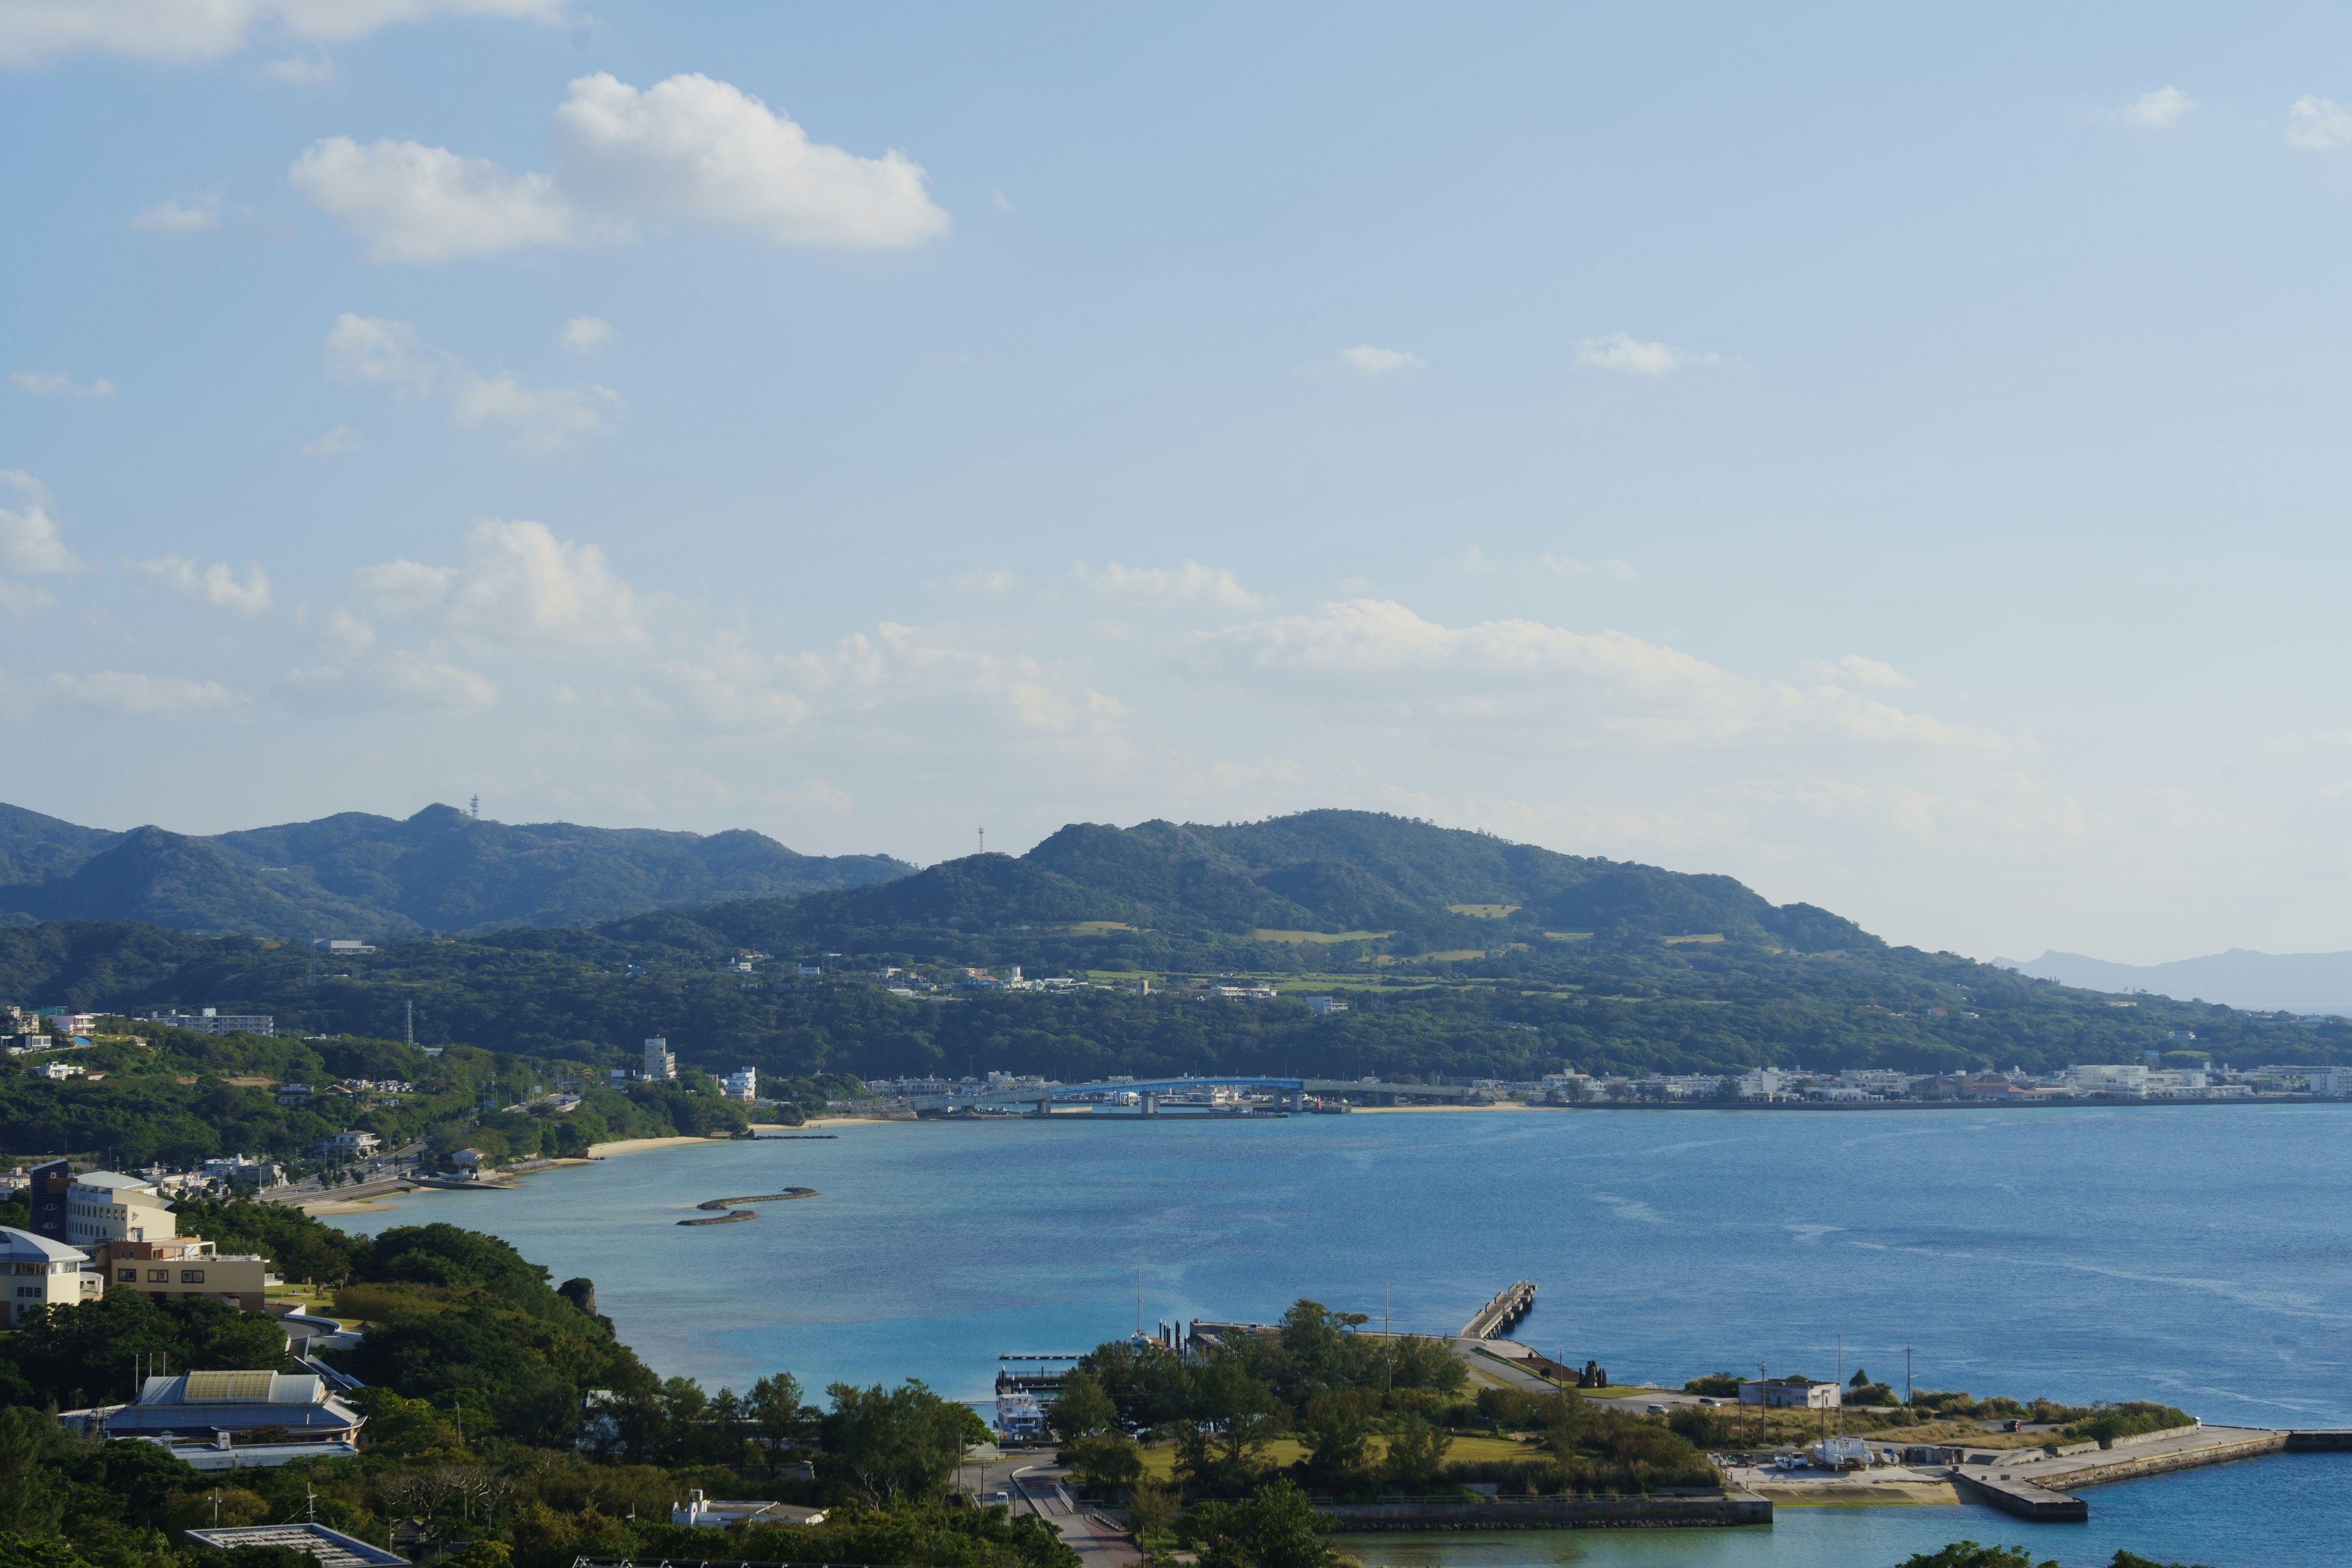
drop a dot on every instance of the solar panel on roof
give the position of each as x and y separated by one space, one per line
226 1387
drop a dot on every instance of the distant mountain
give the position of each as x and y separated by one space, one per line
354 874
1330 874
2258 982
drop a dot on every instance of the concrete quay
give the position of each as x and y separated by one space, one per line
1731 1508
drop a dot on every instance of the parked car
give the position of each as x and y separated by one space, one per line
1655 1410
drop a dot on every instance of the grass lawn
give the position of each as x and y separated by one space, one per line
1161 1461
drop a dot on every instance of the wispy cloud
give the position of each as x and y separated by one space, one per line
1367 361
58 383
173 218
2159 111
1189 583
541 420
1623 351
216 585
341 439
585 334
2318 124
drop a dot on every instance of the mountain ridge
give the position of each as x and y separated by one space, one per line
357 875
2310 982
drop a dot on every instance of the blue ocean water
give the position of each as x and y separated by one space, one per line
2202 1255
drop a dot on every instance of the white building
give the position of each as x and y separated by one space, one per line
1793 1393
212 1021
742 1084
2128 1078
1323 1007
349 1144
107 1205
244 1171
42 1273
1764 1083
661 1066
2331 1083
58 1071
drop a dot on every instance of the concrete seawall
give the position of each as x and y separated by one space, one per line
1553 1513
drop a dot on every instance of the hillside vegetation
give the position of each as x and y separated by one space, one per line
1482 959
357 876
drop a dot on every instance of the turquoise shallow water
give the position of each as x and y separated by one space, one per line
2202 1255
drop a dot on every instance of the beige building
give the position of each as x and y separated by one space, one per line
107 1205
38 1272
182 1267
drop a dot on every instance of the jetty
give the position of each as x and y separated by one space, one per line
730 1212
1501 1314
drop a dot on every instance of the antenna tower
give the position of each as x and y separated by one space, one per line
408 1023
983 840
474 807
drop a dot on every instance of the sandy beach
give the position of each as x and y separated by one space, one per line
352 1205
638 1145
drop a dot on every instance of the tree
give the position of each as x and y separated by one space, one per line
1337 1450
1150 1506
1105 1463
1968 1554
780 1417
1081 1409
1415 1453
902 1443
1276 1528
31 1500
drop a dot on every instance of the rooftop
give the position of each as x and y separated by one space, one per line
22 1246
332 1548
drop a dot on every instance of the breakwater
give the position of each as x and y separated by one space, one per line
731 1212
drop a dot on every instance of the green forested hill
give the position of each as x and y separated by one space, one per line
1460 955
358 875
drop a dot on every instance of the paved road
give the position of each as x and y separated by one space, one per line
1035 1485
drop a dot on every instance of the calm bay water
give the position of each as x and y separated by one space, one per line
2199 1255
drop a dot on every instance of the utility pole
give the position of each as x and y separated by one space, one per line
1906 1377
408 1025
1840 1339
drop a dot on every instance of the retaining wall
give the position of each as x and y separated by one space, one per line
1553 1513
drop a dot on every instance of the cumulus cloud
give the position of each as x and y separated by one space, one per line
542 420
901 665
1382 657
2318 124
1623 351
341 439
399 680
1367 361
216 585
1189 583
1863 671
30 539
173 218
145 696
687 150
517 587
58 383
418 204
585 334
181 31
2159 111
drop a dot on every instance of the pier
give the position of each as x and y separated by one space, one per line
1503 1313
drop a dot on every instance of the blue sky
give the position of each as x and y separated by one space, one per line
1896 458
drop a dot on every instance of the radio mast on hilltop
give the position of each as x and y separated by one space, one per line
983 840
474 808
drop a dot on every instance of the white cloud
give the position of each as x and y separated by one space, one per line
145 696
173 217
692 149
347 634
341 439
25 599
1863 671
1189 582
370 348
687 150
1000 201
418 204
1389 660
585 334
400 679
301 70
214 586
901 666
980 580
519 587
179 31
543 419
30 539
2159 111
58 383
2319 124
1623 351
1366 360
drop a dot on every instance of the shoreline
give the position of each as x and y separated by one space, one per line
639 1145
